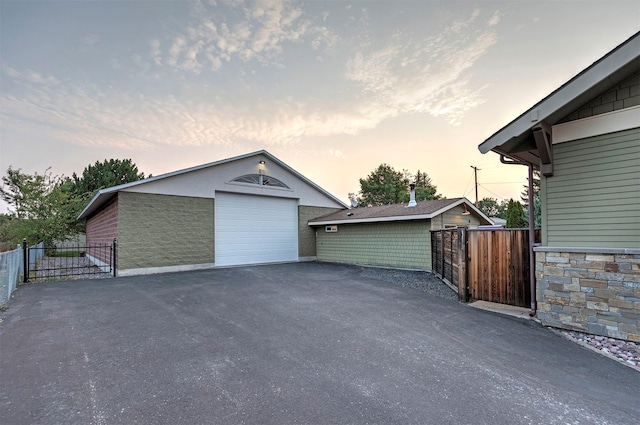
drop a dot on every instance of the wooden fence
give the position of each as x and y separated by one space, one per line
490 265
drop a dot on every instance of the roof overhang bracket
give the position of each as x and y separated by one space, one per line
542 136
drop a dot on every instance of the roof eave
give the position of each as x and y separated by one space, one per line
620 58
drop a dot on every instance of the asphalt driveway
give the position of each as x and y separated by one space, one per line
290 344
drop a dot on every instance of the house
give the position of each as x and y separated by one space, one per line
250 209
585 140
390 235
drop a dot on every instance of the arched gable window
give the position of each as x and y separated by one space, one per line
261 180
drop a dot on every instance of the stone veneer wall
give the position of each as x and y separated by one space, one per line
591 290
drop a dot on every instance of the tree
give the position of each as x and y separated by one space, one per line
425 189
385 186
515 215
39 207
108 173
524 196
491 208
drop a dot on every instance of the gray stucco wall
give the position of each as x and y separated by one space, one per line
307 234
392 244
164 230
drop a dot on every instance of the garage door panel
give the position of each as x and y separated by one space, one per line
255 229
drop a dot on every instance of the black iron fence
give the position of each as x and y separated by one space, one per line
69 262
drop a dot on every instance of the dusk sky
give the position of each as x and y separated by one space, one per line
332 88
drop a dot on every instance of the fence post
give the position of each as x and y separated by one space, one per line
463 288
115 256
25 261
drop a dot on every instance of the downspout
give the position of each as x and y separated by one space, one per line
532 240
532 234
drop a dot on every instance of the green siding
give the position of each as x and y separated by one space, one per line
306 233
593 198
163 230
393 244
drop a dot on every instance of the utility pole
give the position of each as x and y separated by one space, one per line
475 174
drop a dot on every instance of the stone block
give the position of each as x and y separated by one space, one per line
555 300
599 257
635 337
610 276
579 272
572 287
556 286
604 293
553 271
611 267
628 328
621 304
593 283
596 329
560 259
578 298
614 333
597 305
559 279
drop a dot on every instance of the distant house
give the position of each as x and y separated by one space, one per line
250 209
585 140
390 235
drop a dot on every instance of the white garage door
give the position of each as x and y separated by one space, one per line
255 229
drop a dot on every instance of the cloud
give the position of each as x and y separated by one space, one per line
430 76
258 32
90 115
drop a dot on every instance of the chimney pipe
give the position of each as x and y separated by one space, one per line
412 195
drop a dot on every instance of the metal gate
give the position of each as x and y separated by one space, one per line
43 263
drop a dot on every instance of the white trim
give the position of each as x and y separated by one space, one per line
610 122
373 219
406 217
164 269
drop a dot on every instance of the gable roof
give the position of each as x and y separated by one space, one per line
105 195
396 212
516 140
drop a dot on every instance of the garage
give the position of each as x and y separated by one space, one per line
249 209
255 229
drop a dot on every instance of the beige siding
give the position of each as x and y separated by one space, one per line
164 230
306 233
454 217
593 197
392 244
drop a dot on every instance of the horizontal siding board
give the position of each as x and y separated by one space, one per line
593 196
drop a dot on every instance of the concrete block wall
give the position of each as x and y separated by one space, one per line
591 290
102 229
390 244
307 234
622 96
164 230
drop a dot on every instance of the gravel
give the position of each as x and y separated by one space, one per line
423 281
626 352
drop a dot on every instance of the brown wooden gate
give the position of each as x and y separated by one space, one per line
490 265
